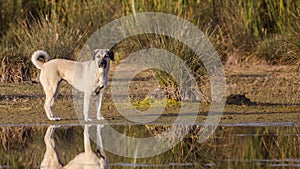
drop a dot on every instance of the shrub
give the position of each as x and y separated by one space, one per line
23 40
244 28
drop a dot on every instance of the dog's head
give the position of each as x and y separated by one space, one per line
103 57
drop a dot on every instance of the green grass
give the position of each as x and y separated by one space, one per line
267 30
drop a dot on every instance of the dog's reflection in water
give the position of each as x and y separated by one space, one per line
86 160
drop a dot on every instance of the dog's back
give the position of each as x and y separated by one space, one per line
61 67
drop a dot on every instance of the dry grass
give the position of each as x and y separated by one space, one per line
62 27
265 84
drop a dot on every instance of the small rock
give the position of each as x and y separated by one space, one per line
239 99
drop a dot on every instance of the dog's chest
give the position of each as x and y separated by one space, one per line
99 84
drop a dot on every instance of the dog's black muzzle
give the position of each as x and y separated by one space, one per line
102 63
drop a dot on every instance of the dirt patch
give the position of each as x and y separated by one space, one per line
258 94
239 99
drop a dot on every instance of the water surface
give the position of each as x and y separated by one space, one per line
231 146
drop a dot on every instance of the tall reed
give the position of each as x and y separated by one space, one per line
263 29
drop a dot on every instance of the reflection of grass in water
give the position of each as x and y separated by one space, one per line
16 149
11 136
236 143
27 150
266 143
270 143
281 144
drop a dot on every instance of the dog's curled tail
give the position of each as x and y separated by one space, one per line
35 56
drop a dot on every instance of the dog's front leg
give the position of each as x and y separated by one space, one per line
99 104
100 147
86 105
87 144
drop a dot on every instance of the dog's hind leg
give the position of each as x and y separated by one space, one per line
50 96
57 90
51 157
51 90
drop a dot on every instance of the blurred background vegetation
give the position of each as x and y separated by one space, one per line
242 30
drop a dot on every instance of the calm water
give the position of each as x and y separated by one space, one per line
254 146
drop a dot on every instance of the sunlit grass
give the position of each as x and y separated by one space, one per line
264 29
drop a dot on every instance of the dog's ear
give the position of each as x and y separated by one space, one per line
94 54
111 55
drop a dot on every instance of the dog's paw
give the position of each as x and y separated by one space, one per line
55 119
88 119
100 118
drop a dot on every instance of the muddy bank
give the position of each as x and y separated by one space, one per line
272 94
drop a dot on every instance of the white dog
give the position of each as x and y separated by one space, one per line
89 77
